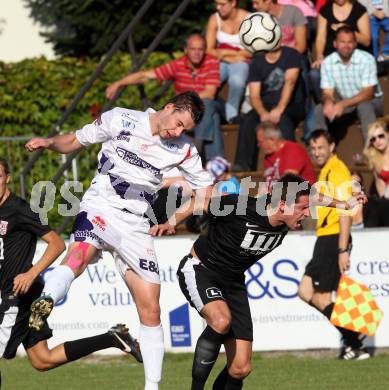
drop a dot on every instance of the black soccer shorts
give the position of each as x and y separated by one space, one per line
324 266
14 328
200 285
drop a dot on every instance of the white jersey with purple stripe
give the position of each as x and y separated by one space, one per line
132 161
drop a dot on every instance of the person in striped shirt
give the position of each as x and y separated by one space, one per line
194 71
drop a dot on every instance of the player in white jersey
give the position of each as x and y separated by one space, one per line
137 148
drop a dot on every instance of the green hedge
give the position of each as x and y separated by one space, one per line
33 95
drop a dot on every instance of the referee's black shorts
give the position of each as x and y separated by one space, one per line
324 266
14 330
200 285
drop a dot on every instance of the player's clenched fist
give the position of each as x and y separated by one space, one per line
37 143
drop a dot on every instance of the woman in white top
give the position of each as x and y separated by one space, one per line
223 42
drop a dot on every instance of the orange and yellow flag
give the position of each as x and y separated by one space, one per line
355 307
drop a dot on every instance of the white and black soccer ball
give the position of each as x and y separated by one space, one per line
259 32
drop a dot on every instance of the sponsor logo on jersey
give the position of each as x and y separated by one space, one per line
170 145
99 222
134 159
128 124
257 243
251 225
80 235
3 227
124 135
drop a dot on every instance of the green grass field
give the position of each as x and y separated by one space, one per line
271 371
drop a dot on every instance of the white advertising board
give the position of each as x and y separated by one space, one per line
98 299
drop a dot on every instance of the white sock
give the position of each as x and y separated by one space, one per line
58 282
152 348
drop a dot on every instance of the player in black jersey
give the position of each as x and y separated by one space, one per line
21 284
212 276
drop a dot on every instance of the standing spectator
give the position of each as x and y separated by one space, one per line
331 255
333 15
292 21
282 156
223 42
377 153
195 71
277 95
349 84
379 19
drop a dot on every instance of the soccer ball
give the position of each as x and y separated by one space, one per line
259 32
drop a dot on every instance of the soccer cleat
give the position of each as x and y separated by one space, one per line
40 310
127 343
349 353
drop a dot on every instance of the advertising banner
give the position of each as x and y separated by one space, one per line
99 298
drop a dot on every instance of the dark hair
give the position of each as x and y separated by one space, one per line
344 29
4 164
285 187
321 133
189 101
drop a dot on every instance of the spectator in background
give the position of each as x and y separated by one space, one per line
333 15
222 36
195 71
331 255
292 21
309 11
349 84
277 95
377 153
378 11
282 156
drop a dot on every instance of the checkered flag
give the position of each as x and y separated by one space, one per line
355 308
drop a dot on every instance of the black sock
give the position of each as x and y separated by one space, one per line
207 350
77 349
349 337
221 380
233 383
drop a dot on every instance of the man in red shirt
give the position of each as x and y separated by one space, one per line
195 71
282 156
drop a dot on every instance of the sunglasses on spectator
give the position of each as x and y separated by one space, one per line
379 136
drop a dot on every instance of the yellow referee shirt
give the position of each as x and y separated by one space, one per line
334 181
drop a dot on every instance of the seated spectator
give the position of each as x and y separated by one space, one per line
377 153
195 71
378 11
333 15
222 36
292 21
309 11
282 156
277 95
349 85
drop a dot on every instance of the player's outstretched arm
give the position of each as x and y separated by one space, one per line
199 203
357 198
65 143
55 247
